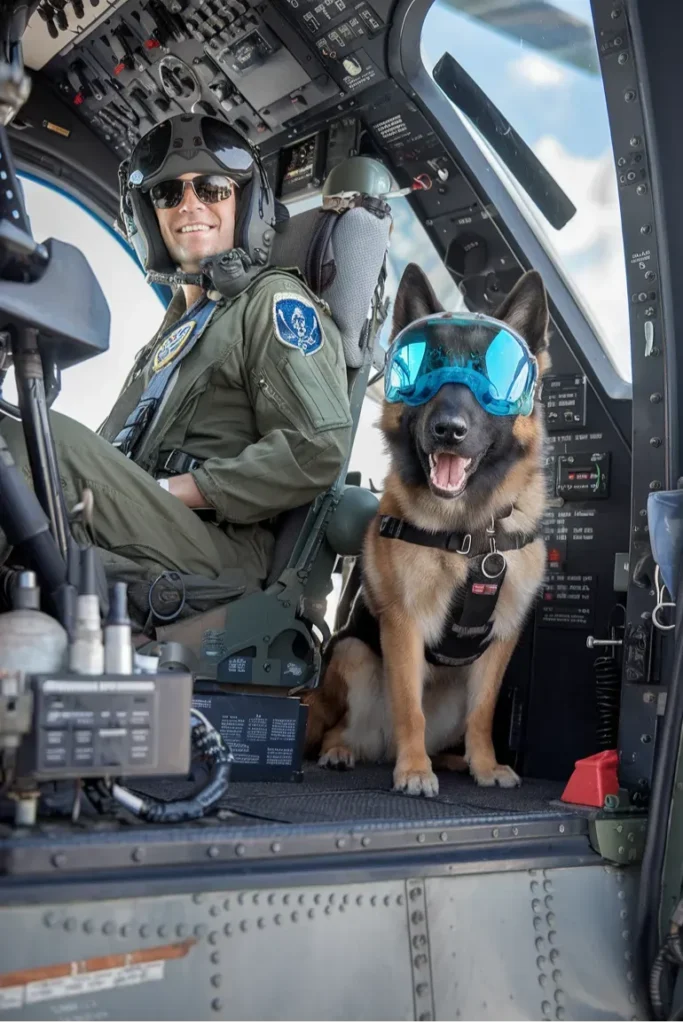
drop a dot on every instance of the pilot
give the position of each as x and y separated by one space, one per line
237 408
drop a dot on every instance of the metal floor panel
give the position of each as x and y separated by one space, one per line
538 944
555 945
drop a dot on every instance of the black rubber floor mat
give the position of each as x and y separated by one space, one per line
365 794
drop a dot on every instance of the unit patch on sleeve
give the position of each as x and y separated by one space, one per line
296 323
172 344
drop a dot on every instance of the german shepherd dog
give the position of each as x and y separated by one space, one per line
488 471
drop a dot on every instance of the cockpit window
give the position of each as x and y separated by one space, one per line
90 389
410 243
538 64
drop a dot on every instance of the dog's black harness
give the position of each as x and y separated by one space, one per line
468 632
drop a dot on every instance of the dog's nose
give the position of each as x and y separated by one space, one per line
449 429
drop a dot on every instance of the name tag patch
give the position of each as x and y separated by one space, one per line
296 323
172 344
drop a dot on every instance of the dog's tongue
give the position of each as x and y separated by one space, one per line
448 471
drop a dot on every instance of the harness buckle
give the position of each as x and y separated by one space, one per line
466 545
177 461
391 527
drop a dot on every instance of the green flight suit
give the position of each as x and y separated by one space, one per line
272 423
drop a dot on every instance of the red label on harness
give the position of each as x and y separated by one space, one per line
488 589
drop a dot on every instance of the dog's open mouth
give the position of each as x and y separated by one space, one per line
448 473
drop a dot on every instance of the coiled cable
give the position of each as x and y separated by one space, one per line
208 744
608 691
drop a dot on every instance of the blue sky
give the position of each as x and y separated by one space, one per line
559 110
577 109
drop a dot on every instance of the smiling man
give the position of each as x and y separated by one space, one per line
237 407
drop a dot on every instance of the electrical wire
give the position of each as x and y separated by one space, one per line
608 688
657 976
208 743
668 959
660 589
607 693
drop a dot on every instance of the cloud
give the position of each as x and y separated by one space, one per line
590 247
537 70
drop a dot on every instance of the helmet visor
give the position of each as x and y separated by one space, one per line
229 149
166 153
497 367
150 152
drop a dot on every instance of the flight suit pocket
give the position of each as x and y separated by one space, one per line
312 383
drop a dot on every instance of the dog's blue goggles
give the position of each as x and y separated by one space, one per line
502 373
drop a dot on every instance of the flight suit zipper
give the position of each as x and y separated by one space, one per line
274 397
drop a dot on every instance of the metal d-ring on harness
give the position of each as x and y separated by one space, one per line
493 553
467 634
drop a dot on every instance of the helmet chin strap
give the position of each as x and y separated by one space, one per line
226 274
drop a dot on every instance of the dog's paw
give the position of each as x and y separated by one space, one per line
496 775
340 758
416 780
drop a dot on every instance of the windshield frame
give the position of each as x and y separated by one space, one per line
405 63
25 168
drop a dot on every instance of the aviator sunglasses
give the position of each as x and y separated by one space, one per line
208 188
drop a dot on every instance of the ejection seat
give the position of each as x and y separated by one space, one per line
267 639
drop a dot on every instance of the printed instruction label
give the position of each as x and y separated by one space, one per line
79 984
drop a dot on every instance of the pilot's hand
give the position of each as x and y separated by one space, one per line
185 488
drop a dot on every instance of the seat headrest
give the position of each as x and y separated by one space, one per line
341 256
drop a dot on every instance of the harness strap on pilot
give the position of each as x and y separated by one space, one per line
467 634
175 346
175 461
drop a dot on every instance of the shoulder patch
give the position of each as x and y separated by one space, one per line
296 322
172 344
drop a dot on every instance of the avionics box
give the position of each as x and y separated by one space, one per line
264 733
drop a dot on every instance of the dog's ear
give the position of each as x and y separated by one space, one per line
415 298
526 309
